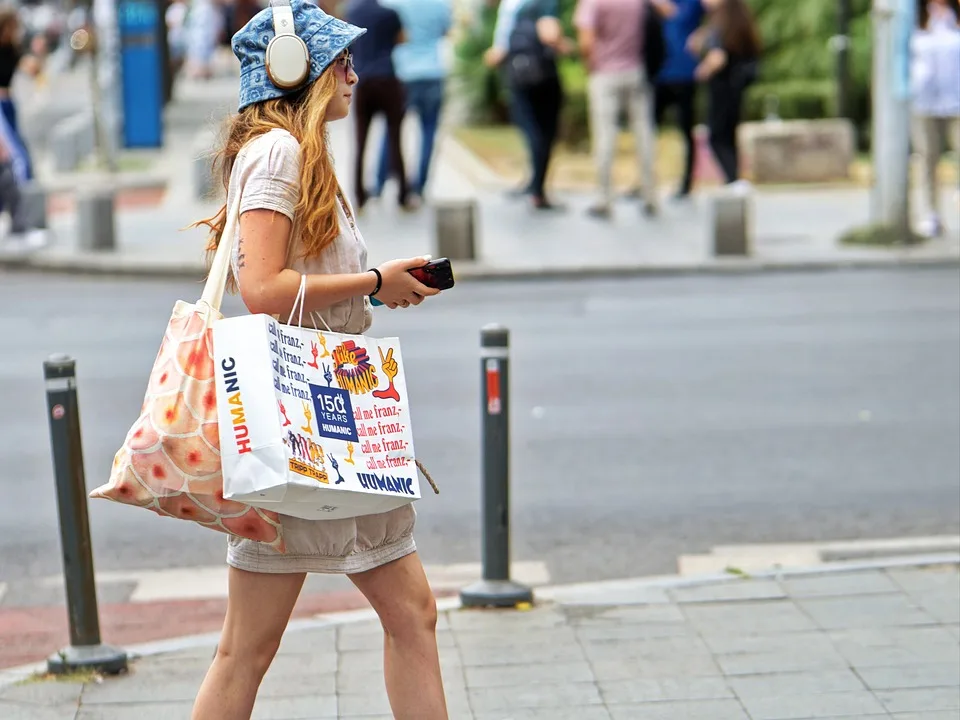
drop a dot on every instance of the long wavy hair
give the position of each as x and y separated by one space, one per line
303 115
737 28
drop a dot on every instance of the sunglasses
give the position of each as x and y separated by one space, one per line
344 62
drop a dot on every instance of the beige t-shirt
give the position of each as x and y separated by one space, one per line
267 176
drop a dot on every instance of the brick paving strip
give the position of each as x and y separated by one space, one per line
866 641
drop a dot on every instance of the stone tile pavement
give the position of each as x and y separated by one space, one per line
869 643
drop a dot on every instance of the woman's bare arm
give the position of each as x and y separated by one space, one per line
267 286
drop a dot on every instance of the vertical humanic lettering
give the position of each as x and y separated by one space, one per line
241 432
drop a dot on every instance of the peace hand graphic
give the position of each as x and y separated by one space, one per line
391 369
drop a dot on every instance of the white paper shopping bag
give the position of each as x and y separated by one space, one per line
313 424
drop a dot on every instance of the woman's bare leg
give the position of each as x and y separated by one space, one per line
400 594
258 608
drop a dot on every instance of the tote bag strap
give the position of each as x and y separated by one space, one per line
220 267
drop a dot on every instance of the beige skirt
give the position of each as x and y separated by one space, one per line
336 547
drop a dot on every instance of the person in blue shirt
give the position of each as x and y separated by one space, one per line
378 90
676 85
420 67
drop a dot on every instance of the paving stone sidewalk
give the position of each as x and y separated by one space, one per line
870 643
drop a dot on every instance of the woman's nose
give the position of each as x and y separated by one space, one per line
352 77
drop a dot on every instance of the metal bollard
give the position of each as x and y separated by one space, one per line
731 225
95 221
496 589
456 230
85 651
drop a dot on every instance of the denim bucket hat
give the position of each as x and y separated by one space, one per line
325 36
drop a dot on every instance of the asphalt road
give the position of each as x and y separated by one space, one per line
651 417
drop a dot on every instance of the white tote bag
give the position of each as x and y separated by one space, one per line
314 424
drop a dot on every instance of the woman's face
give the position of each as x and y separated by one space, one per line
339 106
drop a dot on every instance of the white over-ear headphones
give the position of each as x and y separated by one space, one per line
287 59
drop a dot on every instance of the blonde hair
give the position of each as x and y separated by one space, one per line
303 115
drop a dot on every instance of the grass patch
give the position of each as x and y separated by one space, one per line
126 162
879 236
502 148
80 676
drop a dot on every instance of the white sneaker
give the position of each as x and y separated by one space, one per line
931 227
29 240
740 187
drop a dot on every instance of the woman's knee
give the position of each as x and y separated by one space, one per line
412 614
247 657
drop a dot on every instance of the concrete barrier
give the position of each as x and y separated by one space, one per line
731 224
34 198
798 151
456 229
96 229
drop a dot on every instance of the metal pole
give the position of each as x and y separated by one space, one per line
892 24
495 589
85 650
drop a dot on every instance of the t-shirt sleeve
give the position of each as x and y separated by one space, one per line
269 174
585 16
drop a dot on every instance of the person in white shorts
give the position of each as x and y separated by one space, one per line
295 221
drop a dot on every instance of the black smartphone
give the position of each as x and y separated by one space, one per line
437 274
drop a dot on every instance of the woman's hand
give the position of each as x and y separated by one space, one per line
399 288
493 57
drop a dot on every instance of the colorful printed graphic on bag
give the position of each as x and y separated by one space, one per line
352 368
344 420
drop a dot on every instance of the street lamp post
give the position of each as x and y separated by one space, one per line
892 26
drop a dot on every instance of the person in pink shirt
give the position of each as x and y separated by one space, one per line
610 35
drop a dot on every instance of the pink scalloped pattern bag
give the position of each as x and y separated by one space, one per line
170 460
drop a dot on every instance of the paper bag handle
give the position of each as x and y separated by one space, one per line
220 267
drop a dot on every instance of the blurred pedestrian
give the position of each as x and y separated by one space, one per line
21 236
203 28
729 47
379 91
421 68
14 57
611 36
527 39
935 81
676 86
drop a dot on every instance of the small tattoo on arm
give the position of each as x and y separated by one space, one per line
241 258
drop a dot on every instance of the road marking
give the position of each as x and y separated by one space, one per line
3 591
763 556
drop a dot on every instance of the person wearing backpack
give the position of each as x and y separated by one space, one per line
527 39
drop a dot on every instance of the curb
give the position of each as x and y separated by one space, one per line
548 594
120 266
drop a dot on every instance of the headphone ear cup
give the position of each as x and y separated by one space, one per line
287 62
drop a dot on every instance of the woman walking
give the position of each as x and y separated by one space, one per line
14 57
935 80
295 222
730 50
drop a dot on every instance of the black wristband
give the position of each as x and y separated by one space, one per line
379 281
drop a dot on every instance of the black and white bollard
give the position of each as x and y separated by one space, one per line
86 651
96 229
456 229
496 589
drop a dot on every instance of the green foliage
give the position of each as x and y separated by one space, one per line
798 66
